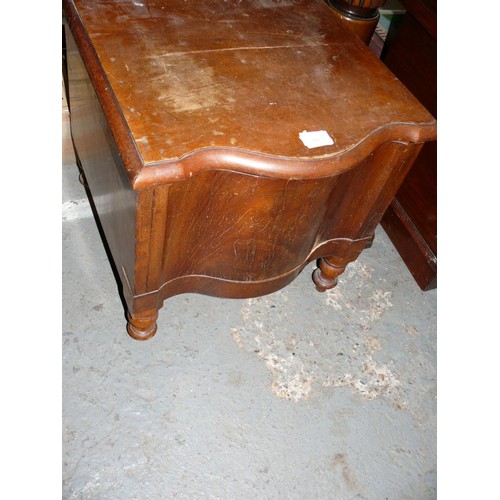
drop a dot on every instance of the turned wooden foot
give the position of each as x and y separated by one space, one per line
81 178
330 268
326 274
142 326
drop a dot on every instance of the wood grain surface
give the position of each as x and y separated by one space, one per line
234 72
187 120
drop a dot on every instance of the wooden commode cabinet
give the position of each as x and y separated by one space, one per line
227 144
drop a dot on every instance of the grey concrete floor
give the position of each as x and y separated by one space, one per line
295 395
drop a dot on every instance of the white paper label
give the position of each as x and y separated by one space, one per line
315 139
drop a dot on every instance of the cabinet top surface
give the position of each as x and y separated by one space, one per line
247 75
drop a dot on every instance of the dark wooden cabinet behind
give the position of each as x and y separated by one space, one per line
411 220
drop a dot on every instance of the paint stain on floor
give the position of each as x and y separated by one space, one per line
304 360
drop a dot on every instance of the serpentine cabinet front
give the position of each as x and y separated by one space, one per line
226 145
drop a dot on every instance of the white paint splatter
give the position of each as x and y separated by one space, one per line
76 209
301 360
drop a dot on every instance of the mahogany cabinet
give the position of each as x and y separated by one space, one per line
411 220
227 144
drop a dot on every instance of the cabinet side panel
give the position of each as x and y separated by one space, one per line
360 198
240 227
411 222
111 192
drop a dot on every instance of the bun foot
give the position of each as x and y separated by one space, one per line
142 326
325 276
82 180
331 267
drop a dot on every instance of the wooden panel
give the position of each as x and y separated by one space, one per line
111 192
411 223
238 85
231 234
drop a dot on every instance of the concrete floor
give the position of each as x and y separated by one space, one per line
296 395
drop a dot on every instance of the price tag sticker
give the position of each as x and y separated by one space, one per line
315 139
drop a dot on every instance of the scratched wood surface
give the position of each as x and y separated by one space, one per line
186 119
229 74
